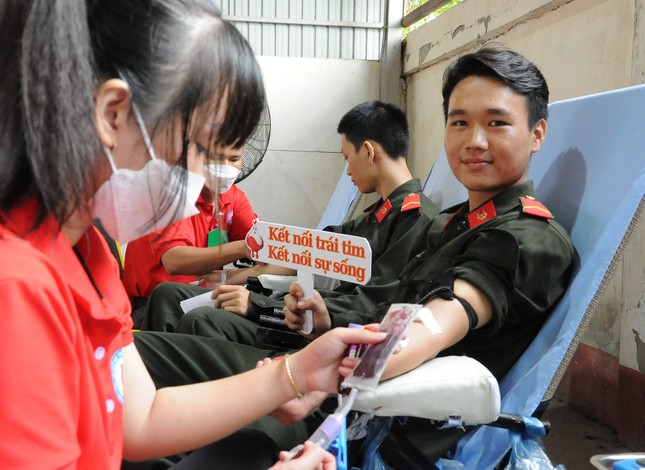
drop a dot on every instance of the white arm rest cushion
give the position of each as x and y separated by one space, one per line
280 283
276 282
445 386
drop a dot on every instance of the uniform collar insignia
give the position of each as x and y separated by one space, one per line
383 211
482 214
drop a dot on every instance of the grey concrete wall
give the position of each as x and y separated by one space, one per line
307 98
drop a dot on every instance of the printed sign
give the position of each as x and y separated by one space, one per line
338 256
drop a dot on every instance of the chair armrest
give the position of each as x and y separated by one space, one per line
452 386
276 282
280 283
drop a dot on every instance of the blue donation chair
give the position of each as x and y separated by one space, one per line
441 186
591 175
342 204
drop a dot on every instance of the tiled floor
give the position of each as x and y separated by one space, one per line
574 438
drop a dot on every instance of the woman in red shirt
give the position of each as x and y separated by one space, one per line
104 105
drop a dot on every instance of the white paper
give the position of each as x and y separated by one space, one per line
202 300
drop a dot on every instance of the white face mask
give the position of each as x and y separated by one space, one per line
126 204
220 178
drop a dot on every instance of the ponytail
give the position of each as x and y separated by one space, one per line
51 86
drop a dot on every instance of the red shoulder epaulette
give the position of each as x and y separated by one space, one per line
532 207
411 201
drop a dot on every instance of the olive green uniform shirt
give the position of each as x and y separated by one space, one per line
395 236
521 262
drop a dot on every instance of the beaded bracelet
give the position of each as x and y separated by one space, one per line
299 393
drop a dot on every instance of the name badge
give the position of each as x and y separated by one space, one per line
217 237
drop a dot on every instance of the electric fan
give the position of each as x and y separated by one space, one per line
256 145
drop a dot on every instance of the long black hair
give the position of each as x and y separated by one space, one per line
179 58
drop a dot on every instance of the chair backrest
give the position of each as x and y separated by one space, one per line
591 175
441 186
342 202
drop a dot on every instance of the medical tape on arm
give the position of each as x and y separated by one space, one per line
427 318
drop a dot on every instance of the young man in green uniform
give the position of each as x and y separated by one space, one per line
375 143
494 266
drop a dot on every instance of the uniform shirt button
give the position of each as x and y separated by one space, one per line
461 225
99 353
109 405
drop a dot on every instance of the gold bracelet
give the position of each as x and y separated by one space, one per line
299 393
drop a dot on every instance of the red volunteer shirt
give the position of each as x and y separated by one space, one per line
61 361
143 269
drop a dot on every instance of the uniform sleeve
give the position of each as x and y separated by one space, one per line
407 239
523 272
346 229
243 217
40 376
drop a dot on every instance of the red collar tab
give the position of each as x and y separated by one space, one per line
411 201
383 211
481 215
532 207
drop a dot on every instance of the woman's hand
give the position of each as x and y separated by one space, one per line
317 367
298 408
210 280
312 457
